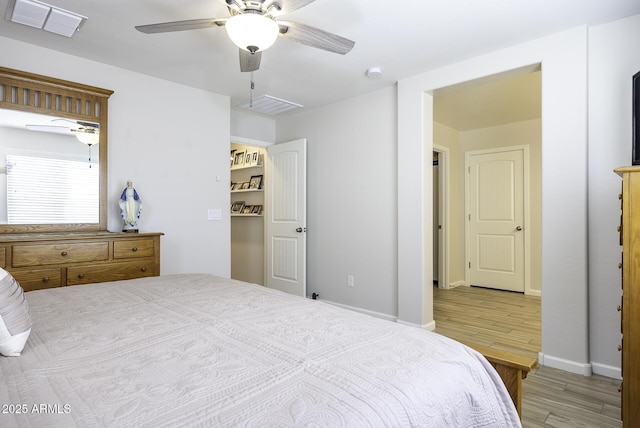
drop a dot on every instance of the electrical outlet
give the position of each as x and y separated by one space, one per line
350 281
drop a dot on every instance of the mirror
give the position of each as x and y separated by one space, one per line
53 154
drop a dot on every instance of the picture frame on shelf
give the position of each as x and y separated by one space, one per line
239 159
247 158
237 207
233 157
255 182
255 158
256 209
247 209
244 186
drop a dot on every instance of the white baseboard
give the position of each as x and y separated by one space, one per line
363 311
584 369
457 284
606 370
430 326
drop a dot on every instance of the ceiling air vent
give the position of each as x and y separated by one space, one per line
45 17
266 104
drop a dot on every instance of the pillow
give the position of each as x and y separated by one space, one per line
15 323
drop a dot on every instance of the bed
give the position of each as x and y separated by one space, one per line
200 350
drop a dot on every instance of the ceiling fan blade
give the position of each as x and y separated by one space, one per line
315 37
49 128
79 122
249 61
288 6
190 24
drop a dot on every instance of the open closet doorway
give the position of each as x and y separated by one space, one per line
247 162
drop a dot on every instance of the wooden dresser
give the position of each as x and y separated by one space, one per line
51 260
630 306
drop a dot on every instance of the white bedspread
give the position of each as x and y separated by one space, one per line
198 350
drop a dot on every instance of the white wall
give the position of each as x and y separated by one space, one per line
613 58
253 126
351 205
173 164
564 184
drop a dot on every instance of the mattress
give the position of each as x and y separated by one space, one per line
199 350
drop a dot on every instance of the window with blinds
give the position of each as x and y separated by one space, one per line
51 191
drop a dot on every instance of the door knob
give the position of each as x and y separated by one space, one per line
299 230
519 228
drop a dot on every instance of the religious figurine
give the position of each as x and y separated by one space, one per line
130 206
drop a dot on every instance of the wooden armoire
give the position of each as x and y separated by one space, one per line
630 306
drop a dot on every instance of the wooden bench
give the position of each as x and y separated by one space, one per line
511 367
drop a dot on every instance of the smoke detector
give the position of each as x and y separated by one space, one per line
374 73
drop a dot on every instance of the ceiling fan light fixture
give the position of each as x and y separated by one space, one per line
252 32
88 138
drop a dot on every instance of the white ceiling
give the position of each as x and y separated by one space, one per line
402 40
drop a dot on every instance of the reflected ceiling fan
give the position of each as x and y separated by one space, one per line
254 27
86 132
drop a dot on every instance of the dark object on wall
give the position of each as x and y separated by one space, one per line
635 128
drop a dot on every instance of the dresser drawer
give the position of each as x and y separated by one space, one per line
111 272
52 254
3 257
37 279
128 248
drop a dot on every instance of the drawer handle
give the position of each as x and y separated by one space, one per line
143 269
619 265
619 308
619 347
134 249
620 196
45 279
64 254
80 275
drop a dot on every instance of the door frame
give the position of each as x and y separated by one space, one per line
443 215
526 211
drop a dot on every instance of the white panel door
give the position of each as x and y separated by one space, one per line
286 216
496 219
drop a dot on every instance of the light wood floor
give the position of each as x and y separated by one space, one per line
511 321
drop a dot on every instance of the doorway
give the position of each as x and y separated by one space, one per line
440 216
268 214
496 114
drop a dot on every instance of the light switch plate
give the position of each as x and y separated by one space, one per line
214 214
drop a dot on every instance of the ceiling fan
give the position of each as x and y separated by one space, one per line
87 132
254 27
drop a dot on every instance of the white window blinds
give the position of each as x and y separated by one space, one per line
43 191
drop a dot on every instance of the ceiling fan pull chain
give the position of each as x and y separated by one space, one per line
251 91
